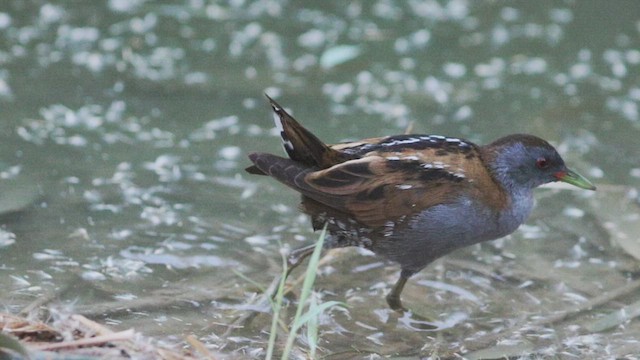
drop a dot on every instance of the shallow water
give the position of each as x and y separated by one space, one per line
125 128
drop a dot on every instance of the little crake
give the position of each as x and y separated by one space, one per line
413 198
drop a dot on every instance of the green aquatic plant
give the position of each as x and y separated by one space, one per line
308 310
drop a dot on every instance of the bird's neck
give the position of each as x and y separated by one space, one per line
519 198
520 205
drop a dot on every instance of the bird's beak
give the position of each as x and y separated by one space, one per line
571 177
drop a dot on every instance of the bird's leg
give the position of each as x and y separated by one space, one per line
414 321
393 298
297 257
293 261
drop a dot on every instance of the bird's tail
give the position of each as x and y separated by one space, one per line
300 144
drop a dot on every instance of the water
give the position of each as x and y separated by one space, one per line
125 128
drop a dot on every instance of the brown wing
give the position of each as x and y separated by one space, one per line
376 189
396 180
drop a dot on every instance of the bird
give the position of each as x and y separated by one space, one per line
412 198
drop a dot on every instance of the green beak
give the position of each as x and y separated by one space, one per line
573 178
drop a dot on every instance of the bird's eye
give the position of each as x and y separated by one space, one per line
542 163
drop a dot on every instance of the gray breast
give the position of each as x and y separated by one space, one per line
444 228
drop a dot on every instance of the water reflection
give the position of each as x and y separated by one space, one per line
133 120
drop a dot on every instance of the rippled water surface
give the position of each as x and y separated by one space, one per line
125 129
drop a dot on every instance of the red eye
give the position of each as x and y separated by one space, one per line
542 163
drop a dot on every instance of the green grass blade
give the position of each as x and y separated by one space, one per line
307 285
250 281
277 306
314 312
9 343
312 326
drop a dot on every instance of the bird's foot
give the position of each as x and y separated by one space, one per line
409 318
395 303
